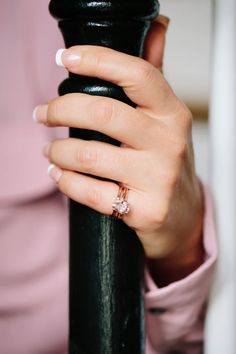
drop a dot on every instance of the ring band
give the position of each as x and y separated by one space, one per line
121 206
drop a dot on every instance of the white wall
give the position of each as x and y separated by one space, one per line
188 48
187 63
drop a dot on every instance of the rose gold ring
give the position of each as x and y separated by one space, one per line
121 206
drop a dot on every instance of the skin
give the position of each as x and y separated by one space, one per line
155 159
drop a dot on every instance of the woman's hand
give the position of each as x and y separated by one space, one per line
155 160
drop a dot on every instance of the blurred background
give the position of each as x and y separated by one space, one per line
200 66
187 63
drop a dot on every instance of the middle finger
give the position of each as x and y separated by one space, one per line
140 80
97 158
106 115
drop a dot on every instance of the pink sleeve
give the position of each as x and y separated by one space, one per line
175 313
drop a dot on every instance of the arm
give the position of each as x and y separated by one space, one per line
175 312
155 159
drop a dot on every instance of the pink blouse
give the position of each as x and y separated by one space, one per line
33 213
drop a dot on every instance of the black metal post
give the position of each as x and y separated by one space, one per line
106 258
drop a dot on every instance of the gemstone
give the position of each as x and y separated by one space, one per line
121 206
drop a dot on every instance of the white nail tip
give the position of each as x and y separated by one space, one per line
58 57
50 168
34 114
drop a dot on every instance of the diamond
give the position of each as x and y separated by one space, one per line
122 206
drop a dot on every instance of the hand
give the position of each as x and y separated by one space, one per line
155 159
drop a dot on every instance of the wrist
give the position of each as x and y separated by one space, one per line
186 257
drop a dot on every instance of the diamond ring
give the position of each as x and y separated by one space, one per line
121 206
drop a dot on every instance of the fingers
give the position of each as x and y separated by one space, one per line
109 116
88 191
155 41
98 159
96 194
141 81
146 211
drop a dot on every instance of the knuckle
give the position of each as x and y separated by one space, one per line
98 60
101 112
53 111
180 148
160 214
65 183
87 157
155 214
169 179
172 181
144 71
187 118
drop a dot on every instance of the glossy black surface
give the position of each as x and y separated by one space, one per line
106 258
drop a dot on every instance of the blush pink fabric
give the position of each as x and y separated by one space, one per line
33 214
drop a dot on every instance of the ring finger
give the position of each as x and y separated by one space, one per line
96 194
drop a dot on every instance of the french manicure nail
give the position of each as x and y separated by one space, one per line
54 172
65 57
34 114
40 114
59 56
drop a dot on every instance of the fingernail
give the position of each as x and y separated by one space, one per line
59 56
65 57
54 172
163 20
46 149
40 114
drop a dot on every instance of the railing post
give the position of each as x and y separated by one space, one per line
221 317
106 259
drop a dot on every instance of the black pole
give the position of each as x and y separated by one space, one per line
106 258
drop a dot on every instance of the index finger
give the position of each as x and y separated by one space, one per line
141 81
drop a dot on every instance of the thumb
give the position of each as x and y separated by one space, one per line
155 42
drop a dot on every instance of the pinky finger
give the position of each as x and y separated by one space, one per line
96 194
